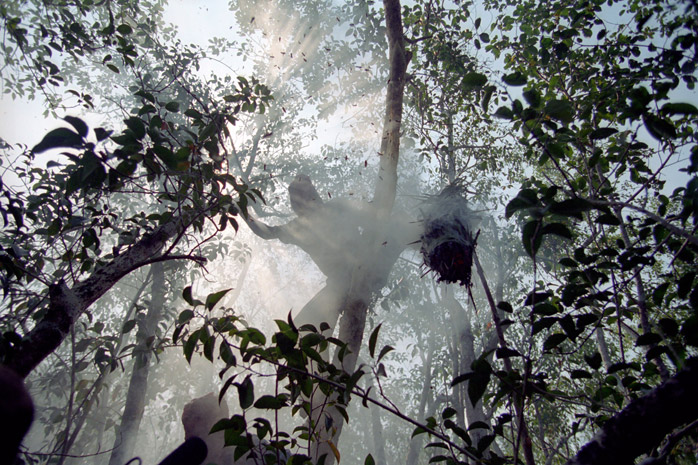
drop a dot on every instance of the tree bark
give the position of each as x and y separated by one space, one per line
427 375
644 423
367 275
386 185
356 262
125 441
67 304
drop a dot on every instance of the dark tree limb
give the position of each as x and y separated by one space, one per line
644 423
399 58
66 304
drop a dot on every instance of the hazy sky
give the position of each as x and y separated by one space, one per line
22 120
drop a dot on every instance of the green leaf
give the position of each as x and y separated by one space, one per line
124 29
461 378
515 79
580 374
531 237
689 330
659 293
227 355
571 207
137 126
532 97
602 133
679 109
186 295
485 442
384 351
560 110
659 128
505 352
369 460
526 198
594 360
474 80
669 327
102 134
214 298
190 345
172 106
553 341
372 340
648 339
504 113
505 307
245 393
558 229
128 326
487 96
477 386
271 403
61 137
185 316
608 219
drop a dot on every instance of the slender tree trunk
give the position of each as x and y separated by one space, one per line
427 374
523 436
125 441
377 430
86 408
466 355
363 275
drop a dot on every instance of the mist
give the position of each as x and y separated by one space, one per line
342 229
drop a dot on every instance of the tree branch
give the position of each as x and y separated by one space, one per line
644 423
67 304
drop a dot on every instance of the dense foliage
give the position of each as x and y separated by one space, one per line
564 131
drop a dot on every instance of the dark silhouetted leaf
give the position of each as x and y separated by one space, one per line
679 109
659 128
594 360
78 124
560 110
531 237
515 79
526 198
648 339
602 133
245 393
59 138
553 341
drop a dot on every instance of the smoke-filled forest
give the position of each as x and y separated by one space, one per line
348 232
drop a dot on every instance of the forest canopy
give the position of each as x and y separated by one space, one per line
358 232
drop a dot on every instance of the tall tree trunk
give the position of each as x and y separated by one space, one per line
357 271
125 441
427 375
86 407
377 431
364 275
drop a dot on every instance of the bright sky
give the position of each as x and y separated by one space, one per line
22 120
